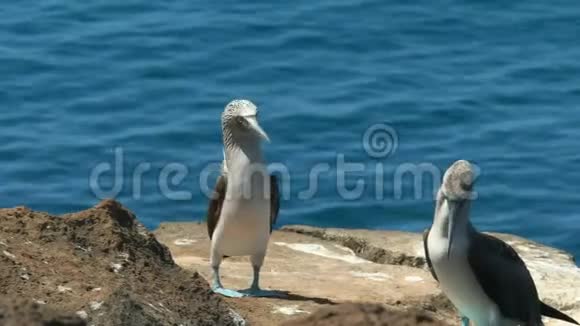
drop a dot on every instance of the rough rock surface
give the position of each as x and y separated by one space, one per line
356 314
18 312
317 273
100 265
324 267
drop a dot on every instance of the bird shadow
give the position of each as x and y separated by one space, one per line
289 296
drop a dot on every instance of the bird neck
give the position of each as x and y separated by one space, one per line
462 224
241 149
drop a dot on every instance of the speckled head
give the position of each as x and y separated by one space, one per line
240 120
242 108
458 181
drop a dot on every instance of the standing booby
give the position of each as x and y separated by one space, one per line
483 276
245 202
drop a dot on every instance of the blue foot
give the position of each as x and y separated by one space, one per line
228 293
259 293
464 321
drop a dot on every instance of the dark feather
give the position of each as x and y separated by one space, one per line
274 200
425 239
555 313
504 278
215 204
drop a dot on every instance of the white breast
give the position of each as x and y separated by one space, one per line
244 225
245 229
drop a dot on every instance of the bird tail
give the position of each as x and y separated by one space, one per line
555 313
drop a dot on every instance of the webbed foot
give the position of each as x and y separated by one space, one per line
259 293
228 293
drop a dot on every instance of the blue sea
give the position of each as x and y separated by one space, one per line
124 98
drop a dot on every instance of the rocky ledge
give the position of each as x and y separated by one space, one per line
102 267
321 268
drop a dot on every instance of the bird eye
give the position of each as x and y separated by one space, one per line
242 121
467 186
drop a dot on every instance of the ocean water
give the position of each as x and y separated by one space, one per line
84 85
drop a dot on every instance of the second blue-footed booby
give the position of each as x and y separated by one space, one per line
245 202
482 275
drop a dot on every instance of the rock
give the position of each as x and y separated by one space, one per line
324 267
101 267
82 314
554 271
63 289
354 314
18 312
383 247
96 305
67 258
9 255
317 273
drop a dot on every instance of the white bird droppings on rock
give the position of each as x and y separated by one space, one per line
9 255
345 249
521 248
154 307
63 289
116 267
83 314
96 290
320 250
289 310
237 318
124 256
420 251
413 279
96 305
184 242
381 277
82 248
40 302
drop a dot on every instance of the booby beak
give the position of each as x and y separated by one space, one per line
255 126
451 225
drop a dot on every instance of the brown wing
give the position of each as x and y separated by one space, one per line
215 204
274 200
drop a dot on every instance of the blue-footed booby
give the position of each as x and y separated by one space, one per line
245 202
483 276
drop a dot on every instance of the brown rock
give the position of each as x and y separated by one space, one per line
324 267
353 314
102 264
554 271
316 272
26 313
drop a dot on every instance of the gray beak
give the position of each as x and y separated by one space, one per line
451 226
256 128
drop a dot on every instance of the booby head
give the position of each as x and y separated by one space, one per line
240 117
458 181
455 196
